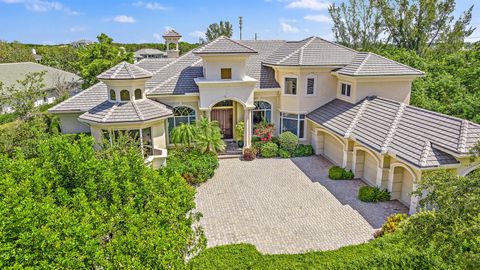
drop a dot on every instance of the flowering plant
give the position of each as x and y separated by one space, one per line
264 130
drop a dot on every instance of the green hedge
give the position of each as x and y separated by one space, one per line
288 141
339 173
194 166
269 150
373 194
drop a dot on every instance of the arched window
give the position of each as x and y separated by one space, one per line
124 95
113 95
262 112
181 114
138 93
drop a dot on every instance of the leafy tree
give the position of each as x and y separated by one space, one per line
98 57
184 134
216 30
421 24
15 52
71 207
209 138
61 57
358 25
22 95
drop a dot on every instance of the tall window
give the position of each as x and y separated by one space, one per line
294 123
290 86
346 89
124 95
141 138
262 112
226 73
181 114
311 85
138 94
113 96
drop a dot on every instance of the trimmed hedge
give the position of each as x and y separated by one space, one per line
303 150
194 166
269 150
339 173
284 153
373 194
288 141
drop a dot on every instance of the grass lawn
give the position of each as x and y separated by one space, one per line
383 253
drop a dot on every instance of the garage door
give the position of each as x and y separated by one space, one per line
333 150
370 169
407 187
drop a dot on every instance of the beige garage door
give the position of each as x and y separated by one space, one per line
333 150
370 169
407 187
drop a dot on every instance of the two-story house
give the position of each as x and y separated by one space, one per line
351 106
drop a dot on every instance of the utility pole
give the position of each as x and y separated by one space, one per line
256 36
240 22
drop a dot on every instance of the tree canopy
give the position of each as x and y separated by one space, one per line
215 30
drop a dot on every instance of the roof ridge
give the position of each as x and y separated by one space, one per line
117 69
393 128
407 66
362 63
171 63
427 147
336 44
462 143
297 50
134 104
130 72
355 120
110 111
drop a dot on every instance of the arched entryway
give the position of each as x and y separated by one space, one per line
402 185
366 166
333 149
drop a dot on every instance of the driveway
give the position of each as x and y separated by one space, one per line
275 205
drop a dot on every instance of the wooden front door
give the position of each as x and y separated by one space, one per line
225 120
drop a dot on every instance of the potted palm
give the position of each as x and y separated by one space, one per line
239 128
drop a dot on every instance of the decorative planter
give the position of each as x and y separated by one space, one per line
240 144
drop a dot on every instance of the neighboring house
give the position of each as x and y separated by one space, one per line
351 106
148 53
10 73
81 43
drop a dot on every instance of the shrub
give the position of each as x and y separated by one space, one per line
284 153
392 222
258 146
276 141
303 150
269 149
373 194
339 173
249 154
264 130
288 141
194 166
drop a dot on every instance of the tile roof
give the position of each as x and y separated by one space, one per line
148 51
84 100
124 71
171 33
370 64
132 111
313 51
11 72
417 136
224 45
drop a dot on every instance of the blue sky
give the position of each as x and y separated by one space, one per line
62 21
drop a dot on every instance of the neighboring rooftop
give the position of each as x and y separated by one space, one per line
125 71
11 72
149 52
132 111
171 33
420 137
224 45
370 64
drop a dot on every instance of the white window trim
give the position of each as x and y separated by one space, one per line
340 90
304 138
283 84
315 80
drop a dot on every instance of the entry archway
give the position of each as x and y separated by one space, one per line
366 165
402 183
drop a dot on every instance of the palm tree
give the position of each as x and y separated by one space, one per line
216 30
209 137
184 134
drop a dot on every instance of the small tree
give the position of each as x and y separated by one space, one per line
184 135
209 137
216 30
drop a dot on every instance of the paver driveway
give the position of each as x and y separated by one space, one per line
272 204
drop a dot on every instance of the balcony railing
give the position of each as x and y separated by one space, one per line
158 158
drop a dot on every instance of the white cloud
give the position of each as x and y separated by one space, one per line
317 18
288 28
124 19
150 5
42 6
197 34
78 29
157 36
309 4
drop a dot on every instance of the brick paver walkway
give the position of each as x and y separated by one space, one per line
273 205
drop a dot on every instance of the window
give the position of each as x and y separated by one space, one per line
262 112
294 123
311 85
138 94
290 86
224 103
346 89
181 114
124 95
113 96
141 138
226 73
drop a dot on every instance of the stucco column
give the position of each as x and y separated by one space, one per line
413 201
390 180
247 137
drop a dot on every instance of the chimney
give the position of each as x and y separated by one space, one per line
172 37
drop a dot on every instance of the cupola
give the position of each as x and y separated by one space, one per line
172 37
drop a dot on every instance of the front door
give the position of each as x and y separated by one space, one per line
225 120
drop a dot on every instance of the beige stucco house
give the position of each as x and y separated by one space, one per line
351 106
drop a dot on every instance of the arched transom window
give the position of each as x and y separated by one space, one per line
262 112
138 94
113 96
181 114
124 95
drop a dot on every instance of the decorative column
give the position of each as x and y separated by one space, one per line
247 138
